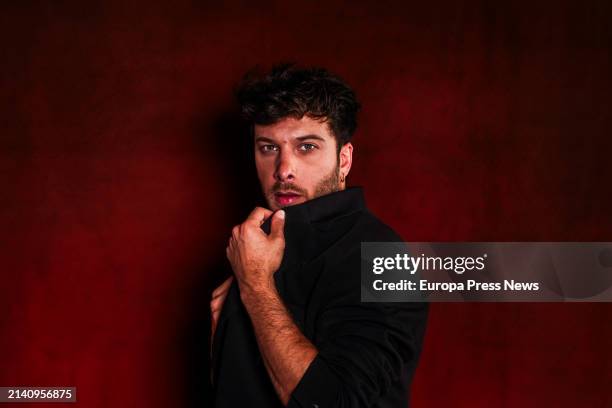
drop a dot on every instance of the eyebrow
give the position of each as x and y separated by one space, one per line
307 137
300 138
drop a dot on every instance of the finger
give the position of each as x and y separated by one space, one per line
278 224
227 283
219 304
215 305
224 287
258 216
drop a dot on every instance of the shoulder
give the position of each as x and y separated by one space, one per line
367 228
344 260
370 228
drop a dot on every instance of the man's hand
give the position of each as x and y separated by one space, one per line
216 304
255 257
253 254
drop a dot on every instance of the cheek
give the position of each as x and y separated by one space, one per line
321 161
265 171
316 171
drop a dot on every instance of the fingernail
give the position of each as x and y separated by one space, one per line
281 213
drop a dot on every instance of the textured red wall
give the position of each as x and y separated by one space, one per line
121 179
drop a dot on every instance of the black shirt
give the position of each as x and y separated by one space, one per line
367 352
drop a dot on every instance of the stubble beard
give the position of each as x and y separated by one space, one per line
329 184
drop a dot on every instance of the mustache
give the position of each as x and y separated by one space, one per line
285 187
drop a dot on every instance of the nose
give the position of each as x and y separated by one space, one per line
285 167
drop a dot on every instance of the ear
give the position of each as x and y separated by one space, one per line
346 159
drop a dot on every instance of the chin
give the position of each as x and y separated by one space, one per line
272 204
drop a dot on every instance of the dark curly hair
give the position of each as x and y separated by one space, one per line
288 91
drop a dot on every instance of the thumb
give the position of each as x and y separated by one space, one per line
277 225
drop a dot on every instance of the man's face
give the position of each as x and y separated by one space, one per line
297 160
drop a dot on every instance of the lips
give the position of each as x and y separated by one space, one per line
286 198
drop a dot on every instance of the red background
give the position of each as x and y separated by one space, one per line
121 177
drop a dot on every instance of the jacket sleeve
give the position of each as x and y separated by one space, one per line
363 348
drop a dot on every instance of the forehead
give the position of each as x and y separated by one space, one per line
291 128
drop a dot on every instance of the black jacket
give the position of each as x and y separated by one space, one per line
367 352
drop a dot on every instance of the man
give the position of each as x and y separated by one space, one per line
289 328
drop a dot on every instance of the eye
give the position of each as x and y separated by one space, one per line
305 147
268 148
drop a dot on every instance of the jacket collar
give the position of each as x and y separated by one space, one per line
328 207
313 225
